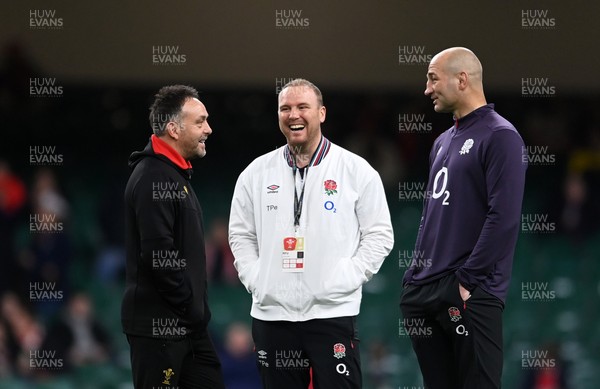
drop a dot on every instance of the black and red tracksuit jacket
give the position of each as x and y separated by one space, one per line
165 292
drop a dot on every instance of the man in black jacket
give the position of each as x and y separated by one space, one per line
165 311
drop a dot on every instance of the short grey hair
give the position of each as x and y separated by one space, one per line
303 82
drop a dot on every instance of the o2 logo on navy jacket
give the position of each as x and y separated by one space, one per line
440 190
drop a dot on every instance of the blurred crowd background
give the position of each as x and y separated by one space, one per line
63 166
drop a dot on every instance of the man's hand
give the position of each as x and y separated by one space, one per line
464 294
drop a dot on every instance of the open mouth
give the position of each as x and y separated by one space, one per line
297 127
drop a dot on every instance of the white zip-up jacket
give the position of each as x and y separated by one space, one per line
347 233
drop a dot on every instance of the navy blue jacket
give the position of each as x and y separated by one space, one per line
471 219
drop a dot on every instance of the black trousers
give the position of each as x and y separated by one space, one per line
286 353
188 362
458 344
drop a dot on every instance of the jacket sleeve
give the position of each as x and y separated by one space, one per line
505 169
156 223
432 154
376 233
242 233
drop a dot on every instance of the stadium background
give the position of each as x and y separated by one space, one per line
100 58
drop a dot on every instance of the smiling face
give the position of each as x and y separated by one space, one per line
300 118
442 85
193 130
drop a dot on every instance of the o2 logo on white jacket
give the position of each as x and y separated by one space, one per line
330 206
436 193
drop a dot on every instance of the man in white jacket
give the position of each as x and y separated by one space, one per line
309 226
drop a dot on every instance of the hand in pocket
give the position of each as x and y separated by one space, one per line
464 294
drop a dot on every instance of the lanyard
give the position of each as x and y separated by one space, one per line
298 200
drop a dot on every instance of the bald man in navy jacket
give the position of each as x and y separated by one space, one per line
468 232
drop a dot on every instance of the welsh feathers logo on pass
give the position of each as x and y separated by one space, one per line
330 187
289 244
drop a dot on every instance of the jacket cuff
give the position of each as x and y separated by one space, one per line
466 280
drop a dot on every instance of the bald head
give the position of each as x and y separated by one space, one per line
460 59
455 81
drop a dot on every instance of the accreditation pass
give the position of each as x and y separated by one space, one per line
293 255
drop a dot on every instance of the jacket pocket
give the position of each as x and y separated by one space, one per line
341 281
451 290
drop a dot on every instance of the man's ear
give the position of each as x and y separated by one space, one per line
322 113
172 130
463 80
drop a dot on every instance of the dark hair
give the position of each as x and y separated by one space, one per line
167 106
306 83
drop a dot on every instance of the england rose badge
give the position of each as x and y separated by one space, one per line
330 187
